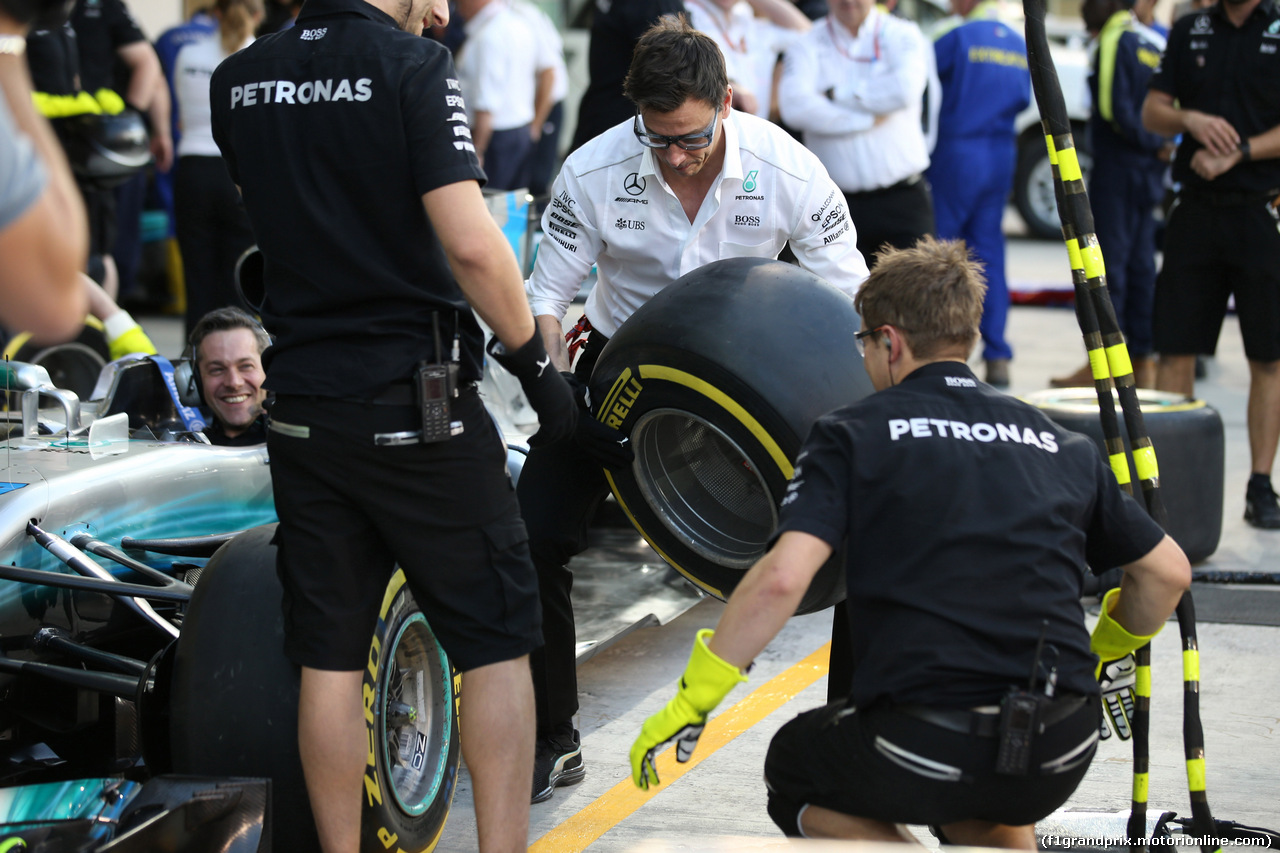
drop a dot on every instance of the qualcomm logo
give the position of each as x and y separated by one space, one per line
750 183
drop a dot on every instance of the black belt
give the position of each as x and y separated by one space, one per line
400 394
986 723
1228 198
905 183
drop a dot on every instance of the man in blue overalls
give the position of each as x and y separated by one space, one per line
1126 182
982 64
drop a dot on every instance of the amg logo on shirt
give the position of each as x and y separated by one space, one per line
629 224
930 427
311 91
753 221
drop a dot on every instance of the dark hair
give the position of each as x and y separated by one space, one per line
224 320
1096 13
38 14
672 63
932 293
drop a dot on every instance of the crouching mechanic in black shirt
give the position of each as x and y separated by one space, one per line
226 353
376 243
969 518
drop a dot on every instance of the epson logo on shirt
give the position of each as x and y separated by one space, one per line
930 427
311 91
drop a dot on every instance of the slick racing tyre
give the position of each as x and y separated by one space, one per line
234 704
1188 440
716 381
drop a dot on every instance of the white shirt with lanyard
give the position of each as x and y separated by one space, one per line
750 45
858 99
611 207
497 66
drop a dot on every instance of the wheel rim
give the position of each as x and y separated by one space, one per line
703 487
1040 192
417 729
1040 195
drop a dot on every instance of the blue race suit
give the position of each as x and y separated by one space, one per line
1126 181
982 64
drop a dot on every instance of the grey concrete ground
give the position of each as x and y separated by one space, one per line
724 796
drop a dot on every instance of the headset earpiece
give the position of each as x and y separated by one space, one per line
187 377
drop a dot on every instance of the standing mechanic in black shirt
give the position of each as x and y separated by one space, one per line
374 233
943 625
1218 85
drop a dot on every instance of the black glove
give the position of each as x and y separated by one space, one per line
604 444
546 389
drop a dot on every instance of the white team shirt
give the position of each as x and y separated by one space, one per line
750 45
550 47
192 69
497 66
834 85
611 207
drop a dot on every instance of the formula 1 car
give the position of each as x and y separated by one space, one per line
144 699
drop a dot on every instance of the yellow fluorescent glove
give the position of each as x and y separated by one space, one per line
125 336
1110 641
706 681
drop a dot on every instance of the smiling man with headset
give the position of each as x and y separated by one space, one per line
226 359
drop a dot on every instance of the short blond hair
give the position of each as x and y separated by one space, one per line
932 293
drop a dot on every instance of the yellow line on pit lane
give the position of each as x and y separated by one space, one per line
620 802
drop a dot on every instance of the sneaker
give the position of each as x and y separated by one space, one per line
998 372
1260 506
556 762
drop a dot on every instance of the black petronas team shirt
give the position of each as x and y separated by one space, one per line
334 130
1211 66
969 518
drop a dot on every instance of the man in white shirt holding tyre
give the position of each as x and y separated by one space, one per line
686 182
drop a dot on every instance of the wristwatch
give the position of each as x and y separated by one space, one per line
1245 154
12 44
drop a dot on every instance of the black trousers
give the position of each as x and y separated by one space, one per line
883 764
560 490
213 231
898 215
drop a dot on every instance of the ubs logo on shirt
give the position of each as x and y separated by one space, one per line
629 224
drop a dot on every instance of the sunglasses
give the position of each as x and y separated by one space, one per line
692 142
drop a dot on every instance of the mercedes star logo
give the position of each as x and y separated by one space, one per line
634 184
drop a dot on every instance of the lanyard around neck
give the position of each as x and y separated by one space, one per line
875 42
722 21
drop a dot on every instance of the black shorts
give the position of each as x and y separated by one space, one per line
351 511
1212 252
884 765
